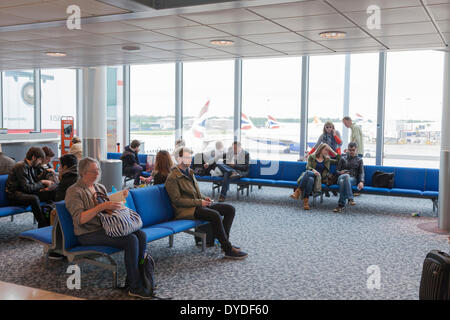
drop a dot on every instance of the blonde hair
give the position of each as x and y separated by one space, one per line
320 149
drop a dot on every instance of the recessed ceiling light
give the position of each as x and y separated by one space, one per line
131 48
332 34
56 54
219 42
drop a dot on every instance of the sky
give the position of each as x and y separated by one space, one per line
272 86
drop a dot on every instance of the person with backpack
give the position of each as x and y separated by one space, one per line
350 169
85 201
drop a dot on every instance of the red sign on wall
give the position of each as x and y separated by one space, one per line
66 133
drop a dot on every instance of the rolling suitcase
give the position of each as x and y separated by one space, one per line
435 282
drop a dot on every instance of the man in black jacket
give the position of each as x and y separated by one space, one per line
235 166
350 169
68 175
130 162
24 188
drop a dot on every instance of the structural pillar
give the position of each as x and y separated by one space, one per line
94 112
444 172
346 106
380 108
237 99
304 107
178 100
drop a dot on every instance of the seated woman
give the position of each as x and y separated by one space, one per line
84 202
163 164
318 166
331 137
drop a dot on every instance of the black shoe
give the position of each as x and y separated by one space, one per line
327 194
221 198
232 254
338 209
334 193
55 256
142 293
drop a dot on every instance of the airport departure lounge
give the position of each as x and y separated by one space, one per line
224 150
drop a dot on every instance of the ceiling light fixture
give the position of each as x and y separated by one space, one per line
332 34
219 42
56 54
131 48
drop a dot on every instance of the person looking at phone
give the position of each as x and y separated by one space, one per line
189 203
84 201
350 169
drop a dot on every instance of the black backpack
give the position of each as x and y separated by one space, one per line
148 273
382 179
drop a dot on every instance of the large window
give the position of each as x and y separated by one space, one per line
364 99
271 100
413 108
18 101
326 95
58 98
152 110
208 104
114 108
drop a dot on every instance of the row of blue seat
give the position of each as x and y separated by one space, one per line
6 208
153 205
408 182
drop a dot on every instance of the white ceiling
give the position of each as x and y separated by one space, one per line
259 28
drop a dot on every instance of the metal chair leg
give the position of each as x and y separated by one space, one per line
171 241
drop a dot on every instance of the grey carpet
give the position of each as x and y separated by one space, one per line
293 254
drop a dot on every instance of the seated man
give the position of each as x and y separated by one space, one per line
189 203
350 169
208 161
68 175
130 162
235 166
23 187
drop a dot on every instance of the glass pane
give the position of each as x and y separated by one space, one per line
114 108
364 99
271 101
326 95
208 104
413 111
152 110
18 101
58 98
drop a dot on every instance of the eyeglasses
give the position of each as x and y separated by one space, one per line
351 150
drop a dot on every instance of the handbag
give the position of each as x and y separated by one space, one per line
120 222
330 179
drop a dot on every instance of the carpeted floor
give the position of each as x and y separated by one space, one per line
293 254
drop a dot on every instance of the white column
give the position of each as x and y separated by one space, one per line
444 172
94 112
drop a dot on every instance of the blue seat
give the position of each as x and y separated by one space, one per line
149 205
41 235
406 192
432 180
156 232
11 210
291 170
285 183
409 178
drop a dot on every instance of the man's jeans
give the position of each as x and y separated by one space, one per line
345 182
227 171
